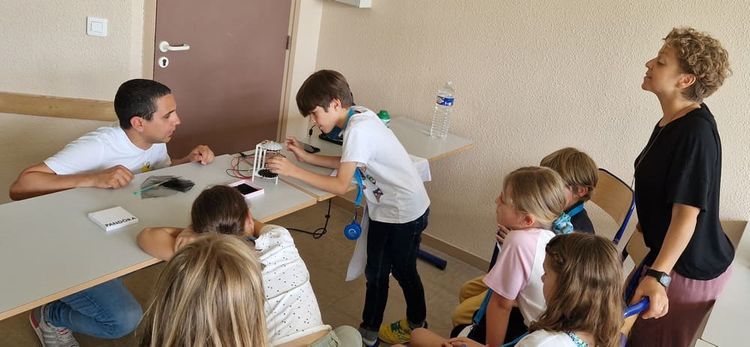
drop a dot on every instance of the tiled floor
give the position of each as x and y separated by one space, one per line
327 258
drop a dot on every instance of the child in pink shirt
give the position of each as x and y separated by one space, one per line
533 198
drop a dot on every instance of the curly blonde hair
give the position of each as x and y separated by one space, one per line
702 56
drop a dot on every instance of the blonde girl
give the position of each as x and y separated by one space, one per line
292 311
532 200
209 294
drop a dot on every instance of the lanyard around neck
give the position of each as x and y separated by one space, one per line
348 117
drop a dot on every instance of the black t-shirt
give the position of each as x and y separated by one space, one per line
681 163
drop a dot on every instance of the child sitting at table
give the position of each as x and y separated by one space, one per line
580 174
530 205
196 305
292 312
582 285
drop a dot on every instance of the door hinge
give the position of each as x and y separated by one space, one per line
288 41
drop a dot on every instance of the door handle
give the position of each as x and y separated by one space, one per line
164 46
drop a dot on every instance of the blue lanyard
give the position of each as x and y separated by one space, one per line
577 340
348 116
357 173
360 187
575 210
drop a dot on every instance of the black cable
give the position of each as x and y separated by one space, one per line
236 172
319 232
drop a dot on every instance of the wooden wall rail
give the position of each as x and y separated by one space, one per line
52 106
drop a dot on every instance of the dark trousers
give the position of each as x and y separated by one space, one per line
392 248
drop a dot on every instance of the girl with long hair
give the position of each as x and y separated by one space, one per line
210 294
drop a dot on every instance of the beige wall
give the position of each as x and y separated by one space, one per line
46 49
305 34
531 77
28 140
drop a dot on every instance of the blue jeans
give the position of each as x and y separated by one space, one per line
105 311
392 248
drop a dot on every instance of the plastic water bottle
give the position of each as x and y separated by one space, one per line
441 117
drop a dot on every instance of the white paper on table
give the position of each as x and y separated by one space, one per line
359 257
422 166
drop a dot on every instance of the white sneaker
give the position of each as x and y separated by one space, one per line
50 335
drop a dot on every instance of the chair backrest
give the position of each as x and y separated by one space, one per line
616 198
636 247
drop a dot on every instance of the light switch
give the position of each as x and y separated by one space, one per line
96 26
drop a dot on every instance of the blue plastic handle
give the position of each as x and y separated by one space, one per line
637 308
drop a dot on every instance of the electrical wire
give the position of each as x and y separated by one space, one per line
235 171
234 166
319 232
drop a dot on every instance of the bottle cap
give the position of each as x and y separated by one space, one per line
384 115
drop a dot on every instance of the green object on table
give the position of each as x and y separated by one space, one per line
384 116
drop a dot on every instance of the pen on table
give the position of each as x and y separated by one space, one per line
148 188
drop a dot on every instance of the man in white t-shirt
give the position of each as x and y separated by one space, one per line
397 201
105 158
109 156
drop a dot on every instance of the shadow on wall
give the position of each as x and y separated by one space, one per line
28 140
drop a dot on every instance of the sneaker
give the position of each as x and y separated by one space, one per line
373 337
50 335
366 343
396 332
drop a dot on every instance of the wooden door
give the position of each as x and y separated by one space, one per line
228 85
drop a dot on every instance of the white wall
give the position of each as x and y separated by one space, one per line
46 49
305 34
531 77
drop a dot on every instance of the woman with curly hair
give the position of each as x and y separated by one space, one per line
677 185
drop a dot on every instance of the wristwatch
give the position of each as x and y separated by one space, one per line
662 277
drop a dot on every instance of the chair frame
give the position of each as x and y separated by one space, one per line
631 208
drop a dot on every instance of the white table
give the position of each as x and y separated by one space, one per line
730 315
413 135
63 252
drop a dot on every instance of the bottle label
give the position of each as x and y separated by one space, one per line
444 101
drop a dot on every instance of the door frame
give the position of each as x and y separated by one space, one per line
149 48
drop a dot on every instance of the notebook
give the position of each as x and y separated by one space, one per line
113 218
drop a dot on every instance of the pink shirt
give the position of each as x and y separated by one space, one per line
517 274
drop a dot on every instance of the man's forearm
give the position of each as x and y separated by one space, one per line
31 184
